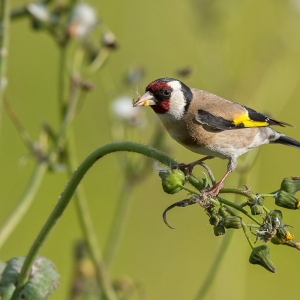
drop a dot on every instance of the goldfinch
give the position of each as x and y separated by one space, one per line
210 125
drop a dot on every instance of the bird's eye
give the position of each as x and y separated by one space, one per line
166 92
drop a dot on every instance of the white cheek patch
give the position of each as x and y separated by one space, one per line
175 85
177 101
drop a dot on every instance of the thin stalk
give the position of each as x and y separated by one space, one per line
69 114
86 226
62 79
22 11
83 214
4 38
24 203
99 60
210 278
244 226
118 227
188 190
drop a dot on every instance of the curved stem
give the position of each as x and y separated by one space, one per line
67 194
118 227
86 225
24 203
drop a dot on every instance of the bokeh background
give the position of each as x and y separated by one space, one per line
246 51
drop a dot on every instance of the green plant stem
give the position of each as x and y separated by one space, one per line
79 197
69 114
121 215
22 11
244 226
188 190
4 37
62 79
86 226
99 60
238 192
210 277
237 207
24 203
67 194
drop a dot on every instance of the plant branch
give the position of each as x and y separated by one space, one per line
24 203
4 37
67 194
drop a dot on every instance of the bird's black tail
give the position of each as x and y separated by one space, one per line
285 140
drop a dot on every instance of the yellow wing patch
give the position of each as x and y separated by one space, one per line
247 122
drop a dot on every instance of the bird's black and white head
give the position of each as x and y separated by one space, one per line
167 96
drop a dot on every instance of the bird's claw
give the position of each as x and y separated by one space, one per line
213 191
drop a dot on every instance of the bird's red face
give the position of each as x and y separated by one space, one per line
158 95
166 96
162 93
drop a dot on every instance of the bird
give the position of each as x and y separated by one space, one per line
210 125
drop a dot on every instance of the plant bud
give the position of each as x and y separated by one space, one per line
292 244
287 200
223 211
234 222
215 219
290 185
257 210
261 256
219 230
172 180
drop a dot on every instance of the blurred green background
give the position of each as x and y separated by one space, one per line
245 51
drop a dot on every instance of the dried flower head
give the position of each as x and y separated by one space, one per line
83 19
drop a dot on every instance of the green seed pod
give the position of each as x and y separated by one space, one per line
275 240
219 230
261 201
172 180
223 211
261 256
257 210
290 185
215 219
234 222
292 244
287 200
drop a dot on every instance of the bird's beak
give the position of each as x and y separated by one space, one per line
145 100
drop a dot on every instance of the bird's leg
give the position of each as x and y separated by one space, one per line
214 190
188 168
